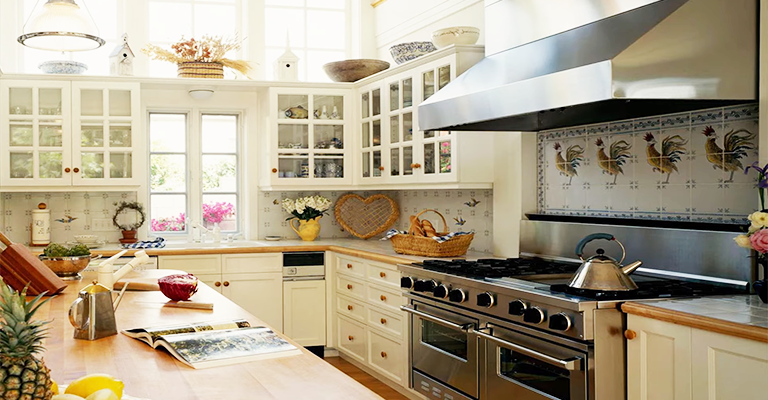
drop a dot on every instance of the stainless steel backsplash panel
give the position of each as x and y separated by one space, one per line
707 253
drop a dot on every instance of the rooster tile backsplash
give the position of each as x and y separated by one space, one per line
681 167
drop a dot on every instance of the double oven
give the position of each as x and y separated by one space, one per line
458 354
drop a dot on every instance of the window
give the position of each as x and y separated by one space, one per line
318 32
174 188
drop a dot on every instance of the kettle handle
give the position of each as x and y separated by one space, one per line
76 312
595 236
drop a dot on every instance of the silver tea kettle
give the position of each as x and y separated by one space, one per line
93 314
601 272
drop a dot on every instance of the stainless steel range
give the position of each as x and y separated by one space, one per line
512 329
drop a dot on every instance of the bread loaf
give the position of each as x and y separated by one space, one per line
416 228
429 230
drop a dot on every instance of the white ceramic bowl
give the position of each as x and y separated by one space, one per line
408 51
86 239
63 67
455 35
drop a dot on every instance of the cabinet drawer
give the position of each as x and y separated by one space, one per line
350 287
248 263
351 340
384 276
351 308
385 322
385 298
386 356
199 264
350 267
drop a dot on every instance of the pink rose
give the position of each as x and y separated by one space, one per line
759 241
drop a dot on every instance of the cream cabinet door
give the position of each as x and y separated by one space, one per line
260 294
658 360
727 367
304 312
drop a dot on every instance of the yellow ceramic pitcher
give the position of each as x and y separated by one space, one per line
308 229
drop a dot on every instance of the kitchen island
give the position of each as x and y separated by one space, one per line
155 374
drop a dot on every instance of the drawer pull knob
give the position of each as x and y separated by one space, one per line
76 170
383 298
351 338
274 170
382 274
383 321
226 283
67 169
217 284
349 287
349 266
349 307
383 354
630 334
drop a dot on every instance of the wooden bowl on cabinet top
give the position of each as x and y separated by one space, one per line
353 70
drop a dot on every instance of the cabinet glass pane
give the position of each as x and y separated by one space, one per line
329 107
50 101
220 209
120 164
377 133
91 102
366 135
443 76
394 162
407 127
21 134
364 105
50 135
376 102
168 172
445 157
120 103
377 163
20 101
51 164
92 136
407 92
92 165
292 136
394 129
329 166
21 164
291 106
429 134
366 164
428 85
120 136
429 158
394 96
219 173
174 132
293 167
219 133
407 160
168 212
329 136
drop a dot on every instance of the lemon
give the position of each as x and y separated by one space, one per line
103 394
86 385
66 397
54 387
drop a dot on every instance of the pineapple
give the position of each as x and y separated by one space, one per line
22 375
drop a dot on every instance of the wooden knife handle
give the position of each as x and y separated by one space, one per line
5 239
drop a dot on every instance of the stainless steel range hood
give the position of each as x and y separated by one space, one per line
556 63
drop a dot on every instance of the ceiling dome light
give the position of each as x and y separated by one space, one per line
61 25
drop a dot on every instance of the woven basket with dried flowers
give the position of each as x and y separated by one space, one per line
202 58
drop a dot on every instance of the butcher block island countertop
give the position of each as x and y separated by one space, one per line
155 374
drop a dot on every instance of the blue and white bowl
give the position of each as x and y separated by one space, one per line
63 67
408 51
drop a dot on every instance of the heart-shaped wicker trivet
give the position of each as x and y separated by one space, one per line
366 217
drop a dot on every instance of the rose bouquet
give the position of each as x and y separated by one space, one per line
306 208
756 237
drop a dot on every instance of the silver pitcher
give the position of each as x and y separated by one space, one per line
92 313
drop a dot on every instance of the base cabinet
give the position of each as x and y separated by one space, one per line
668 361
304 312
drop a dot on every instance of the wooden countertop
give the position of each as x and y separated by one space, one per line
743 316
154 374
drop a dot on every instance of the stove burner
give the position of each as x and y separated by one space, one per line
499 268
652 289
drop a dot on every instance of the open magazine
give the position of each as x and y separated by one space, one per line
210 344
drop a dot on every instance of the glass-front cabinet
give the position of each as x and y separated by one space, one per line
57 133
308 140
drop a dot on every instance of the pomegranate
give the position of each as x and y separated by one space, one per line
178 287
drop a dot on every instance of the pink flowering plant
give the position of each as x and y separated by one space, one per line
215 213
169 224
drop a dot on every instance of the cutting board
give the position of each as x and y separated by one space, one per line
19 267
145 280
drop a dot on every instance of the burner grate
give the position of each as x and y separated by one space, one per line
499 268
652 289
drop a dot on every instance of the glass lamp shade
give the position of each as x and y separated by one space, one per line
61 25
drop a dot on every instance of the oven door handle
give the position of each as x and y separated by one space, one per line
570 365
469 327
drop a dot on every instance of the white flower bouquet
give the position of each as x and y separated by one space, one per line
306 208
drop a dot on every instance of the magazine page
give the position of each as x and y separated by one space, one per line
150 334
211 348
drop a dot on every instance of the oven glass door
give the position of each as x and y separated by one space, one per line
531 368
444 348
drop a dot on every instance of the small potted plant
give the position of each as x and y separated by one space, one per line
129 229
308 211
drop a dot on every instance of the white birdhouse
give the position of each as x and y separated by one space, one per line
287 66
121 59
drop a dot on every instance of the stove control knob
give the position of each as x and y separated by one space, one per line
534 315
457 295
486 299
407 282
517 307
426 285
442 291
560 322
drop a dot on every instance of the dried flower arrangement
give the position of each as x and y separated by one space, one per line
209 49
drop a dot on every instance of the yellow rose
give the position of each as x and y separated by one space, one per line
759 218
754 228
743 241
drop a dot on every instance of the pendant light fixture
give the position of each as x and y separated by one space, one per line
61 25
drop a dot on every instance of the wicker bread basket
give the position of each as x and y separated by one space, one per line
417 245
